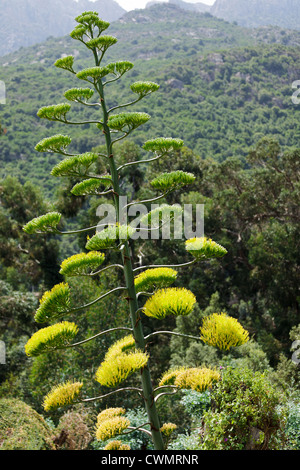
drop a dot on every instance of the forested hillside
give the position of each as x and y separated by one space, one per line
216 77
226 91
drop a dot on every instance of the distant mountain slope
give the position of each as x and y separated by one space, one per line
160 33
27 22
222 87
199 7
284 13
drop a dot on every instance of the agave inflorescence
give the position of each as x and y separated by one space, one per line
56 143
82 264
112 427
222 331
50 338
129 354
204 247
119 364
117 445
194 378
155 278
76 166
110 237
63 394
44 223
53 303
171 301
173 180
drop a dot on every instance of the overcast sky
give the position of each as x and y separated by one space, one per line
132 4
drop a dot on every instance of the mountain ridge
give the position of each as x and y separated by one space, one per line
253 13
27 22
249 13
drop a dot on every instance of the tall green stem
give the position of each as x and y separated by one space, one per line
137 327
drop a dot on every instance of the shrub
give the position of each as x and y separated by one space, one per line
246 413
22 428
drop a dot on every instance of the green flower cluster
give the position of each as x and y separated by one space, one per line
53 303
109 237
44 223
173 180
76 166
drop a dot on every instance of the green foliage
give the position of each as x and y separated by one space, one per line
245 413
65 63
137 440
292 428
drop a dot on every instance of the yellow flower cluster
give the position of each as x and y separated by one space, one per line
52 337
117 445
168 428
114 371
118 364
109 413
82 263
120 346
222 331
202 248
195 378
154 278
53 303
172 301
62 395
111 423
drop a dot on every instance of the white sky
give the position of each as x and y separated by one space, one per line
132 4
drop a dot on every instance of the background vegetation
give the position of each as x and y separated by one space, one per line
226 91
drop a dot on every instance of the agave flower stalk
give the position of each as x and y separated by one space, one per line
128 355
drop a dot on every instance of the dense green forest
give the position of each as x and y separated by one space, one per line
226 91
